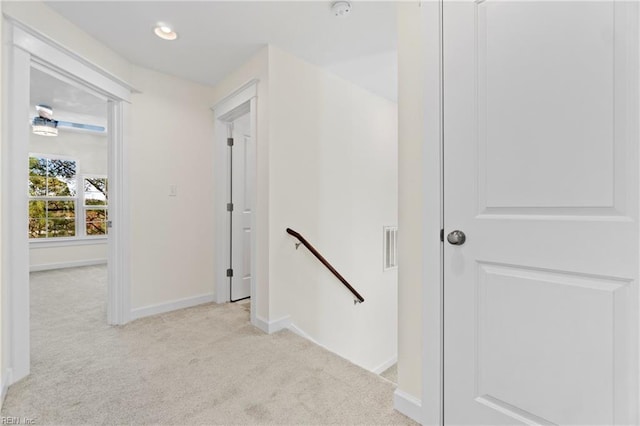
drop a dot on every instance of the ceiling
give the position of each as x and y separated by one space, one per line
69 102
216 37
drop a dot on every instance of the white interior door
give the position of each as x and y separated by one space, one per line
242 180
541 174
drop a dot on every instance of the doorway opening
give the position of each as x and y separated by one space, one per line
76 214
68 176
68 213
235 162
241 178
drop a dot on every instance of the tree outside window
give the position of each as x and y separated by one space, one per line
95 205
52 197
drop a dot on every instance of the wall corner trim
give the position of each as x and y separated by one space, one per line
245 92
408 405
385 365
274 326
6 380
174 305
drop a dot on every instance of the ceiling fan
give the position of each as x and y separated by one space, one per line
43 124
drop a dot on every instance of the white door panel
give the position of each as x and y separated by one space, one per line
540 172
243 181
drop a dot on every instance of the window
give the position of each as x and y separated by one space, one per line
95 205
58 206
52 197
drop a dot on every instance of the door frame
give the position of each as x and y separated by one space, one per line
23 48
432 401
242 100
432 194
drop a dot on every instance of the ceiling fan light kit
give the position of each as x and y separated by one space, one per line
44 127
44 124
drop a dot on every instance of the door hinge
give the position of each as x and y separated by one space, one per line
109 224
442 235
229 207
229 141
229 272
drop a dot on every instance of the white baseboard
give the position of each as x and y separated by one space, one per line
270 327
61 265
379 369
300 332
408 405
161 308
385 365
6 380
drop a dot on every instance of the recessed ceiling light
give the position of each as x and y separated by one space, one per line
165 32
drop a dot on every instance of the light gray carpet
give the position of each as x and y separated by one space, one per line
203 365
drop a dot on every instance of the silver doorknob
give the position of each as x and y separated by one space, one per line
457 238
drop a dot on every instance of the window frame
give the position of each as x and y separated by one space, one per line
57 198
85 208
80 237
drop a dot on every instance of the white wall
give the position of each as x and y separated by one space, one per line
333 178
90 150
171 144
4 329
39 16
56 256
257 68
419 210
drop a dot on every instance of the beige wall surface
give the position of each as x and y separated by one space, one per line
333 178
411 124
37 15
171 144
90 150
47 257
419 117
3 326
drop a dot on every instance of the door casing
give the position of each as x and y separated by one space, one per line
23 48
243 100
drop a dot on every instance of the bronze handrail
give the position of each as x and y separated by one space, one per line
324 261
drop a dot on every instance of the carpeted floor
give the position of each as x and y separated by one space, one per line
203 365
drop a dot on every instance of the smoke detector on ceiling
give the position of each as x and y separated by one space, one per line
341 8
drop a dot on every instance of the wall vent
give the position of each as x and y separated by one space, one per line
390 246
